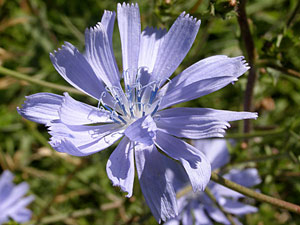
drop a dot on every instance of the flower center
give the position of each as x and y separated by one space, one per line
139 98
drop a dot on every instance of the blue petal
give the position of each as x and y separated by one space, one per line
198 123
6 185
76 70
216 214
180 179
151 40
192 128
15 195
200 217
18 212
99 54
41 107
211 67
120 166
173 221
187 217
237 208
194 90
142 130
130 31
108 21
176 44
73 112
204 77
247 177
194 162
12 203
215 150
220 190
156 187
207 114
83 140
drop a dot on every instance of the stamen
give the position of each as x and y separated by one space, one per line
136 100
120 117
116 121
131 112
106 107
155 109
114 115
100 101
103 94
121 105
153 95
139 98
143 109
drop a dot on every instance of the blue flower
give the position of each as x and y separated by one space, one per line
198 208
133 111
12 203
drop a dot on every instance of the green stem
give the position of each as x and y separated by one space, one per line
253 194
287 71
251 55
184 191
246 191
212 197
255 134
27 78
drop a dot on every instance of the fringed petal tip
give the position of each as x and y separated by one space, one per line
252 115
66 46
54 142
127 5
187 16
255 115
97 27
20 110
40 107
242 66
107 12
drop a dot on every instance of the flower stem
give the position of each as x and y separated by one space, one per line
251 55
42 83
212 197
246 191
274 65
255 134
253 194
184 191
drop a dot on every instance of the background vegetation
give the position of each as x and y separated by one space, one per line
71 190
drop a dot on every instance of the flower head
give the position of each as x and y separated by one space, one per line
133 110
12 203
200 204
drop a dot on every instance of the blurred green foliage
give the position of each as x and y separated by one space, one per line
30 29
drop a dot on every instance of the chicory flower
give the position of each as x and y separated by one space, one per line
12 203
136 111
198 208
